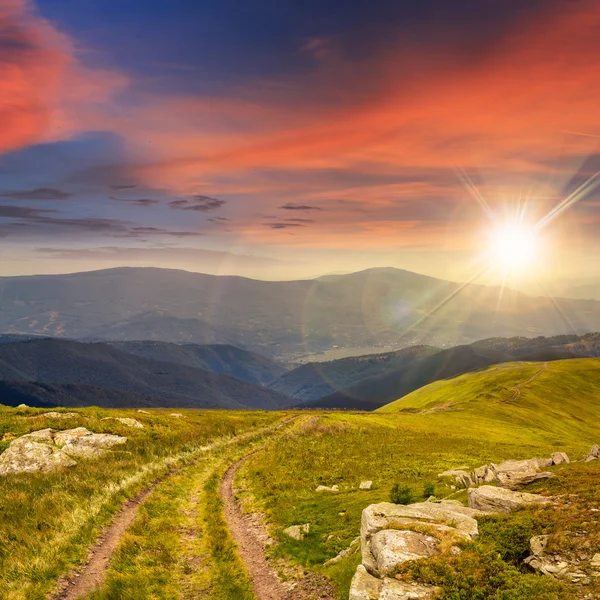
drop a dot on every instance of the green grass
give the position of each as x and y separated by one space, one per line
556 411
179 546
48 521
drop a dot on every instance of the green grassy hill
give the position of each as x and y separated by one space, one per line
561 398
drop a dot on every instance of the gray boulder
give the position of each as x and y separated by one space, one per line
126 421
459 476
488 498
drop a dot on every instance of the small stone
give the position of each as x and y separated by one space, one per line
297 532
560 458
324 488
125 421
537 544
176 415
365 485
56 415
595 562
143 412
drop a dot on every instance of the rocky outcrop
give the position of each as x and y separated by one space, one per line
48 450
367 587
558 566
488 498
510 474
393 534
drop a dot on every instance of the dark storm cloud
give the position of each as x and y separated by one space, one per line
219 219
37 194
122 187
198 203
293 206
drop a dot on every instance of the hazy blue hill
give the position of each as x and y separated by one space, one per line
219 358
67 362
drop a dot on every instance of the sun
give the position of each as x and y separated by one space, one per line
514 247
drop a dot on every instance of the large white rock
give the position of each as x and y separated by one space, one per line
488 498
366 587
459 521
391 548
365 485
47 450
459 476
512 474
27 456
84 443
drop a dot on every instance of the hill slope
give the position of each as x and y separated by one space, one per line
370 308
66 362
218 358
529 394
312 381
369 392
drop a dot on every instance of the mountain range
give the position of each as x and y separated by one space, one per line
287 320
56 372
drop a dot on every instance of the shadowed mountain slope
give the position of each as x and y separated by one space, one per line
66 362
218 358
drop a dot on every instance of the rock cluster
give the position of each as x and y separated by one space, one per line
510 474
47 450
558 566
393 534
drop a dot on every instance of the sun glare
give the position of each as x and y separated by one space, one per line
514 247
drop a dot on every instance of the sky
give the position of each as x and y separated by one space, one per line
293 139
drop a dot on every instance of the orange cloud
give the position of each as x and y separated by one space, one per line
511 109
43 87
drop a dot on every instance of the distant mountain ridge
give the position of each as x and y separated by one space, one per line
389 384
284 319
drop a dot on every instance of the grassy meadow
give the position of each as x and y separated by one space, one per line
48 520
409 444
179 547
